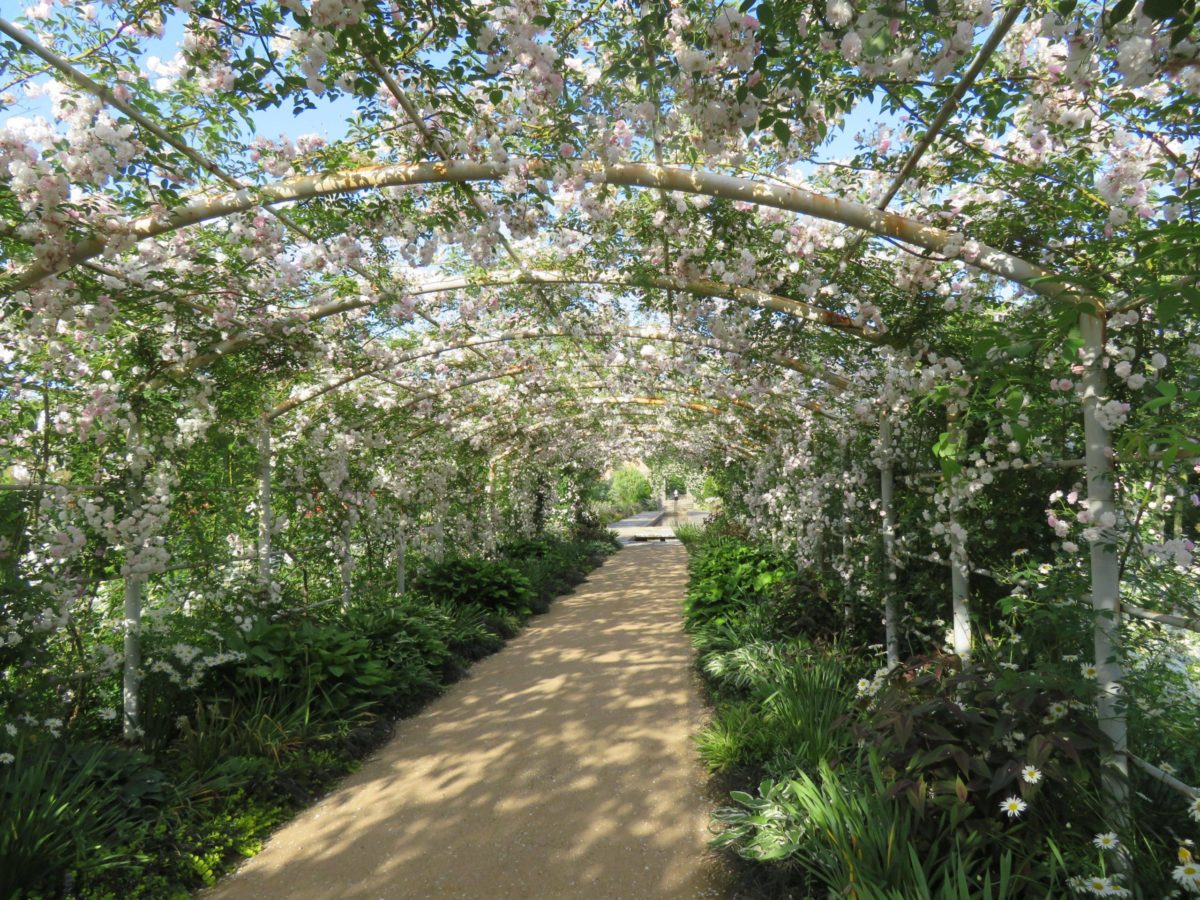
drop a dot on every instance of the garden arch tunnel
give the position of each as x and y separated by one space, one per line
382 182
1098 447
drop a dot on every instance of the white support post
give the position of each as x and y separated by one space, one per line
819 538
264 503
846 604
131 720
131 714
489 511
960 566
347 562
799 560
1105 566
960 590
401 559
887 484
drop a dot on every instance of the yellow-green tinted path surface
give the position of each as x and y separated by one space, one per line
560 767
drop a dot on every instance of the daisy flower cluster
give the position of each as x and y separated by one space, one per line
1187 873
1099 886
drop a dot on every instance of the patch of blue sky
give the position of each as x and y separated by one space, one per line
330 116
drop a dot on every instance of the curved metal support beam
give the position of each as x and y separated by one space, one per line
641 428
738 406
695 406
727 187
834 381
699 287
745 450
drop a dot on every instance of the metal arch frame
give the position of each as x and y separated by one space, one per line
517 369
746 451
833 381
674 179
503 278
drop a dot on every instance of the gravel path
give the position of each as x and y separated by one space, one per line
560 767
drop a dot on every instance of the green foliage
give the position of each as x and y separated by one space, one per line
60 806
896 792
841 830
844 831
959 740
791 709
495 585
468 633
553 566
727 576
322 668
410 638
673 484
689 535
737 736
298 697
629 486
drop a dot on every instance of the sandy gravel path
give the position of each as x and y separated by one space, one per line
560 767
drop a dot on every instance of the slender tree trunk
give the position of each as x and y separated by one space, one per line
131 686
799 549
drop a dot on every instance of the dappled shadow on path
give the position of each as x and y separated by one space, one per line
561 767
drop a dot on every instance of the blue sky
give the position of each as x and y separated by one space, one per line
330 116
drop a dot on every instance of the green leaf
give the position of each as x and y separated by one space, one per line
1167 393
1161 10
1071 345
878 44
783 131
1120 12
1020 350
1168 307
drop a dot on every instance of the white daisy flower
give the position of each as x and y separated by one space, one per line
1106 841
1013 807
